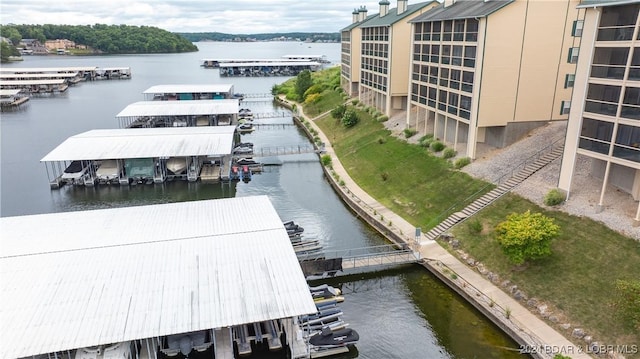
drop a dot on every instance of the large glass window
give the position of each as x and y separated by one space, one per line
634 70
472 30
617 22
631 103
609 62
596 135
627 143
576 30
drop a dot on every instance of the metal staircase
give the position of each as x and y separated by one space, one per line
494 194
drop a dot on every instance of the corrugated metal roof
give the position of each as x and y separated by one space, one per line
181 108
270 63
189 88
356 24
38 75
77 279
392 16
145 142
601 3
32 82
47 69
5 92
462 9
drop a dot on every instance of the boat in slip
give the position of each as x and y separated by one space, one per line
187 343
245 127
123 350
330 339
108 172
177 165
75 171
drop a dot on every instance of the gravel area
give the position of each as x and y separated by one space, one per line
492 164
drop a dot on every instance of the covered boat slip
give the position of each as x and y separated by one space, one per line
12 98
140 155
179 113
88 278
69 77
256 69
83 72
38 86
189 92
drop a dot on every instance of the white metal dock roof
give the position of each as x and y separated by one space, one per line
47 69
145 142
8 93
181 108
11 76
44 81
271 64
189 88
77 279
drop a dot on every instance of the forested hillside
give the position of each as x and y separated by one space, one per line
107 39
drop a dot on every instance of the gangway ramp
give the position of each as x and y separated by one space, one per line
357 260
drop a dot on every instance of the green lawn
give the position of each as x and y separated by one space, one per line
404 177
577 280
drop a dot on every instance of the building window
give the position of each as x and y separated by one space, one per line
569 79
573 55
565 107
596 135
577 28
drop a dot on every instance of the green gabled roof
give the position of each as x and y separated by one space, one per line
392 16
356 24
462 9
598 3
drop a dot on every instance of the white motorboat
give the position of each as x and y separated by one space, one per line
177 165
108 171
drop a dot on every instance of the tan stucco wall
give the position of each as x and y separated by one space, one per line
523 75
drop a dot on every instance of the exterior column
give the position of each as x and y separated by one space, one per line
605 180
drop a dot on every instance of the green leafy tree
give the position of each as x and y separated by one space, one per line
338 112
303 83
627 302
526 236
7 50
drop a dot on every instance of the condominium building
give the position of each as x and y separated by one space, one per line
488 72
350 47
385 42
604 124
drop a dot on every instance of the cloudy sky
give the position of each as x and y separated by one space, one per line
227 16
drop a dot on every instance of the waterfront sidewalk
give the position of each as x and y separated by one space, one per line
509 314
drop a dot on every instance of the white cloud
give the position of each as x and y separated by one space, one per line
234 16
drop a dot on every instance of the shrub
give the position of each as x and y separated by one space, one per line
437 146
383 118
408 132
554 197
355 102
425 141
382 140
475 226
326 160
312 98
384 176
350 118
461 162
338 112
449 153
525 236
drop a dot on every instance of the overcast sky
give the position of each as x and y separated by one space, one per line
227 16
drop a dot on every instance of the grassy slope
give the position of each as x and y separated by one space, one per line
576 281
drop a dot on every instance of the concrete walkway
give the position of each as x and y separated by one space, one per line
534 335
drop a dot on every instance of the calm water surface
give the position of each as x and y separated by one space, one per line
401 313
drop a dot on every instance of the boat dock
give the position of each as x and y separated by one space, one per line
262 67
81 72
140 156
11 99
148 114
42 86
183 297
172 92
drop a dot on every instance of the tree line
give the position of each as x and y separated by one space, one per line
104 39
303 36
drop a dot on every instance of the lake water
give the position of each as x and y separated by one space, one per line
399 313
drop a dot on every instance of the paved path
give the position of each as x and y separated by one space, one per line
515 318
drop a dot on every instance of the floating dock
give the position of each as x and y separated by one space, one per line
138 156
83 72
190 92
42 86
175 280
263 67
11 99
145 114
